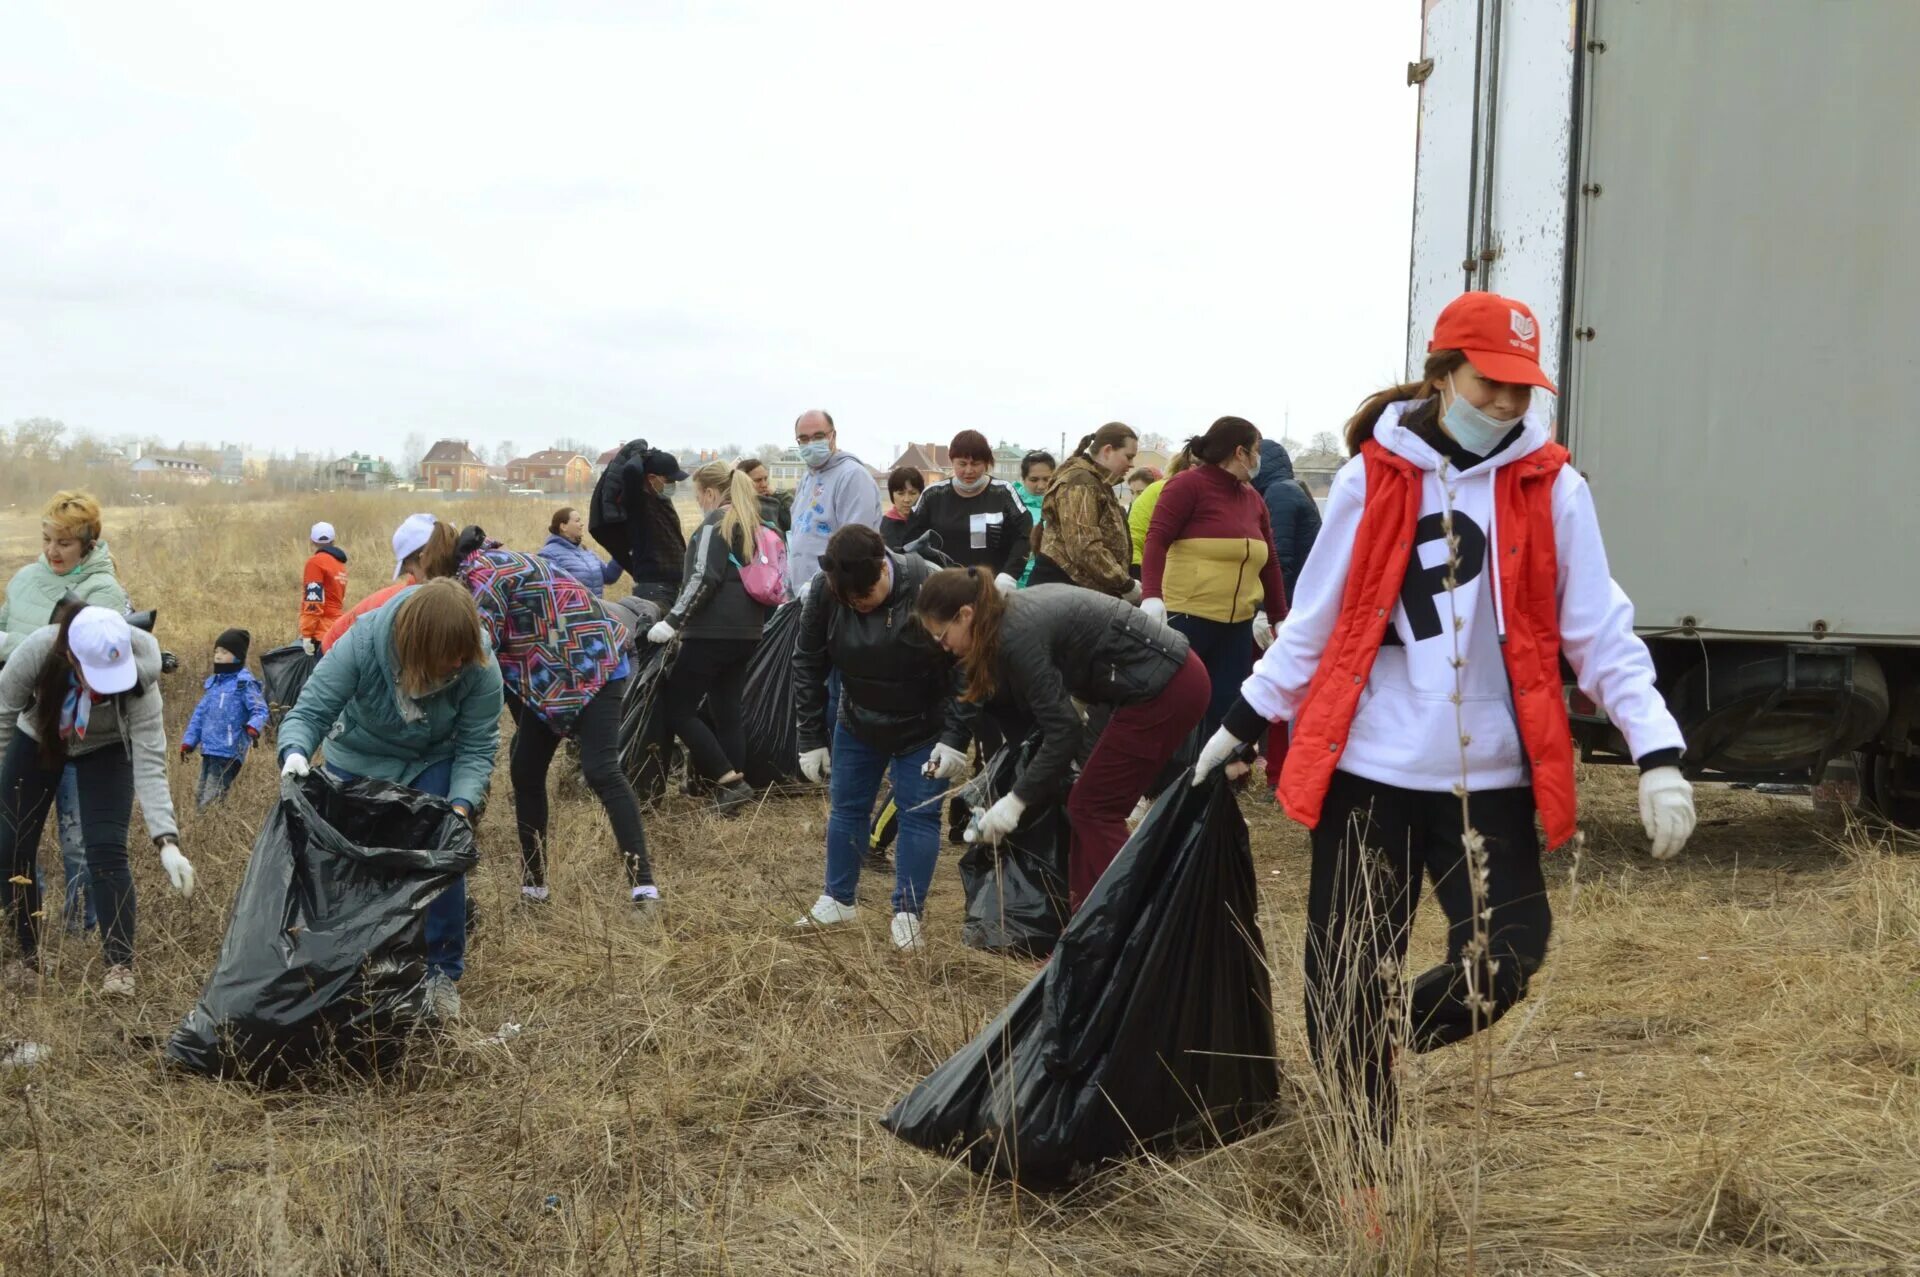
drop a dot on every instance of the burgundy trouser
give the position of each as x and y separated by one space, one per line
1137 742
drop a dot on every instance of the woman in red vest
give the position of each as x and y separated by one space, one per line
1410 673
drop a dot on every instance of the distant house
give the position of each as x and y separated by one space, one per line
1006 461
173 469
784 471
356 472
451 466
930 459
551 470
1317 469
1152 460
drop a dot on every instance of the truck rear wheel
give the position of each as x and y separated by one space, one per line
1890 786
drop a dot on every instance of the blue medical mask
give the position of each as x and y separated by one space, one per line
1472 429
815 454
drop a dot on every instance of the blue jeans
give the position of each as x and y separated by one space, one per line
73 854
216 778
852 787
446 921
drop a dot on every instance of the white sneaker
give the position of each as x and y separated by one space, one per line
118 982
827 912
443 999
907 933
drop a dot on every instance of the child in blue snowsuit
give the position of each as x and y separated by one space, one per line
229 718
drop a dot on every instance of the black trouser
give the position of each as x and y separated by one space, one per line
714 668
1370 849
105 780
660 592
597 728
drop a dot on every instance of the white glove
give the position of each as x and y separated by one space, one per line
179 868
661 633
310 646
1666 809
1220 747
1262 632
815 764
296 765
1006 583
1133 593
1155 608
945 763
999 820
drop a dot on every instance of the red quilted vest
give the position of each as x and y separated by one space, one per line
1527 572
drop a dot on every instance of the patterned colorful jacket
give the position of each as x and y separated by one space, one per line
556 644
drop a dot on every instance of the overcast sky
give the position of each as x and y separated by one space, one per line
334 226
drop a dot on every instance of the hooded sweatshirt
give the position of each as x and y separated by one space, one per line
840 493
1406 730
1293 514
134 721
323 591
35 589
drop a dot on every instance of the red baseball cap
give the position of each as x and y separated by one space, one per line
1498 335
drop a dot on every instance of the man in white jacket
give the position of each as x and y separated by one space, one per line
1420 662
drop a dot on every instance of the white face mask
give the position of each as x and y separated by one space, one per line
969 488
1473 429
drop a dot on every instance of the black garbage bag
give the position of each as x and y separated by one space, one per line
1151 1026
646 738
1017 889
324 964
767 710
285 671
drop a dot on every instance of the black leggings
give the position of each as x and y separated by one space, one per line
1360 907
714 668
105 779
598 730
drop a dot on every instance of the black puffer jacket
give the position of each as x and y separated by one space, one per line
1060 642
637 527
896 685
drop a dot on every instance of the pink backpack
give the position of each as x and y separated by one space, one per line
765 578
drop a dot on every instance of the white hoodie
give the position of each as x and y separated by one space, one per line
1405 730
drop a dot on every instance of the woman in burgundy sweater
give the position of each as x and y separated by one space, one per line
1208 566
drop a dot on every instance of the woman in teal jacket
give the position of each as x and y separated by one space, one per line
410 695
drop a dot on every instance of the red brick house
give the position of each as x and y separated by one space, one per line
551 470
451 466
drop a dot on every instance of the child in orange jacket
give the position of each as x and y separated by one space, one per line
323 588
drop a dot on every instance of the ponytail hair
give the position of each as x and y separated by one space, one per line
1439 366
1182 460
942 596
1115 434
50 693
1224 438
743 502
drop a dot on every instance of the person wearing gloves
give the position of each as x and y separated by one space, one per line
1032 654
904 487
86 691
411 695
1036 475
74 561
1404 690
1291 511
422 551
717 624
896 695
323 587
230 716
1208 564
837 491
980 520
565 531
1083 529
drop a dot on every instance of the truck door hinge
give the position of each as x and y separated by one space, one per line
1584 334
1417 72
1592 189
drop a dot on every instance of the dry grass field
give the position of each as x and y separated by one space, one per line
1718 1071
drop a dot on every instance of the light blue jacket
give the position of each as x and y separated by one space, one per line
580 563
353 705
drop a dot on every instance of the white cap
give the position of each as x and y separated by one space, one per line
322 534
410 537
102 642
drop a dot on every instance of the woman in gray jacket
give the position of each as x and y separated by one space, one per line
87 692
1038 651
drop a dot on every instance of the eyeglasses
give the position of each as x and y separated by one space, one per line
819 436
941 637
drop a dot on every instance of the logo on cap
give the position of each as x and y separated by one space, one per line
113 653
1524 329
